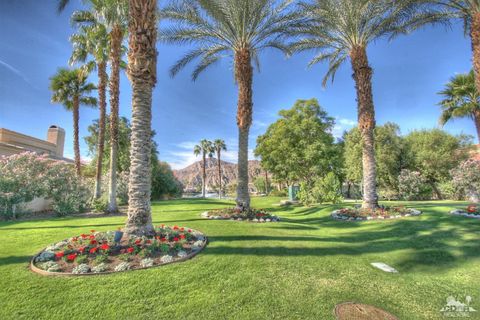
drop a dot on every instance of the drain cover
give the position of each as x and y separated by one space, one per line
358 311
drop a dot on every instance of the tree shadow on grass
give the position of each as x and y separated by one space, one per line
14 260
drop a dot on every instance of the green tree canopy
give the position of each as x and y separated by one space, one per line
299 146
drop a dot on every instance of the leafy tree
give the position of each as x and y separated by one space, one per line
434 153
412 185
461 99
342 30
324 189
219 146
70 88
237 28
390 154
299 146
261 185
204 148
164 183
91 41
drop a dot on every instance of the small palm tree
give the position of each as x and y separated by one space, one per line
205 148
240 29
142 72
113 14
219 146
342 29
91 41
70 88
461 99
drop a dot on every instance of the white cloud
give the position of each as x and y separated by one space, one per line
346 122
17 72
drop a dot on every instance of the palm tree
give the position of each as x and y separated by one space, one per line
113 14
142 72
204 148
461 99
342 30
70 88
469 12
219 146
241 28
92 40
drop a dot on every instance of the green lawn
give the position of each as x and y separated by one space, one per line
296 269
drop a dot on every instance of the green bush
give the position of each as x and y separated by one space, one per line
325 189
278 193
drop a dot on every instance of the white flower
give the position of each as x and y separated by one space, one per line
166 259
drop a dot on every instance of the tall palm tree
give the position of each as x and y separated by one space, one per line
469 12
205 148
461 99
219 146
70 88
113 14
142 72
240 29
342 30
92 41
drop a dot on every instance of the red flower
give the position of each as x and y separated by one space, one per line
59 254
157 237
175 239
71 257
92 231
181 229
75 239
93 242
189 230
163 239
163 225
81 249
138 242
93 250
182 236
175 227
92 236
83 235
105 246
130 250
472 208
148 241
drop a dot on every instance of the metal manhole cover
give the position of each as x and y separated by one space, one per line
358 311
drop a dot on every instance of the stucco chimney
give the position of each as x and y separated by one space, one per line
56 135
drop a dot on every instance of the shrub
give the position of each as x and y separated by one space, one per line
413 186
278 193
466 179
100 205
325 189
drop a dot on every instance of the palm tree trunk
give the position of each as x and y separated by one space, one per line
115 53
204 175
475 38
102 104
219 174
76 144
362 74
244 78
142 64
476 118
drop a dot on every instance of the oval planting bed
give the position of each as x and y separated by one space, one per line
251 215
382 213
472 211
114 251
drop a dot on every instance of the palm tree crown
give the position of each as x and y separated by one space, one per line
336 28
461 99
222 27
205 148
68 85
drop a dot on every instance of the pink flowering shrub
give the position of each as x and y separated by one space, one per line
466 178
28 175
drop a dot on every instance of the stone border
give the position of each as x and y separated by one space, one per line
340 217
42 272
206 215
463 213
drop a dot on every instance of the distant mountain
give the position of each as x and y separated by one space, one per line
191 176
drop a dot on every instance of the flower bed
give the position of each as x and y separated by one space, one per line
113 251
472 211
252 215
358 214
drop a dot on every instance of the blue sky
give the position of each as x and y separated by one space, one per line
408 73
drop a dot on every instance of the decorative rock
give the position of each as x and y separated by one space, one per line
197 245
182 254
124 266
80 269
102 267
166 259
45 256
147 262
268 220
384 267
261 220
255 220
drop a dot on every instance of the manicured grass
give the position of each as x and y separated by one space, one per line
299 268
